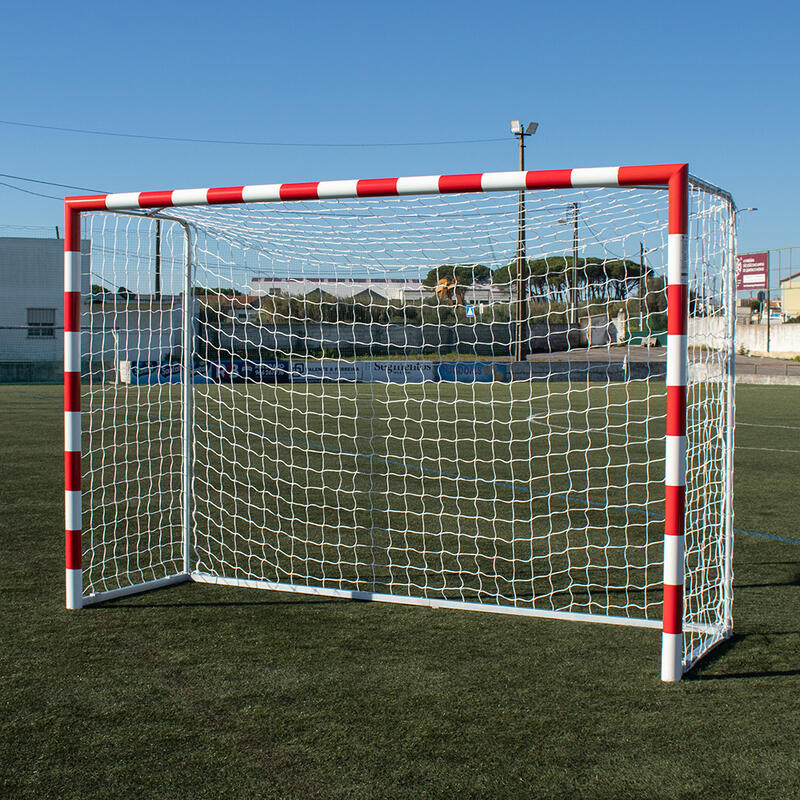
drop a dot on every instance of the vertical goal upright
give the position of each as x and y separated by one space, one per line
675 460
225 439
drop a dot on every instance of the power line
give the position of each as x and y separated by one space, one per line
28 191
49 183
241 142
43 183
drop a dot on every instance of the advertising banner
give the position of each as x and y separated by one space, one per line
284 371
396 371
318 371
473 371
151 372
241 371
752 271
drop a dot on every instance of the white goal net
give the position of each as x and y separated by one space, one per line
409 398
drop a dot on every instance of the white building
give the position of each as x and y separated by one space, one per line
132 328
113 327
32 298
388 288
487 294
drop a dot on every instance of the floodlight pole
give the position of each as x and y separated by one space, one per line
523 288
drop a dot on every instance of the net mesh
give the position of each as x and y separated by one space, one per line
387 399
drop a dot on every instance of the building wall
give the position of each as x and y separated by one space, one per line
712 331
378 339
32 276
487 294
136 329
790 297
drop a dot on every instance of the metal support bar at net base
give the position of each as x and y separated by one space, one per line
137 588
429 602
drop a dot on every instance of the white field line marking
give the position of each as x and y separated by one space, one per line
766 449
738 424
648 515
764 425
627 436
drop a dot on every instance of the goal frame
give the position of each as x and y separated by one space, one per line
673 177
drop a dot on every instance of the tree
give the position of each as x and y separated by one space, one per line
462 274
596 279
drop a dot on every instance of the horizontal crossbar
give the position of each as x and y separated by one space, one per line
649 175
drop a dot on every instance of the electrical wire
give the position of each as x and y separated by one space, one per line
44 183
28 191
91 132
49 183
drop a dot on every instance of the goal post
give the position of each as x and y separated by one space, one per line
294 407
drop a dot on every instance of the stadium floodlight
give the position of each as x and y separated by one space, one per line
562 487
529 130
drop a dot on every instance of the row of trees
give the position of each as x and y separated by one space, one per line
615 279
294 311
602 287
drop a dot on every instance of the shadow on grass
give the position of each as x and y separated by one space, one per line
701 671
774 673
121 605
792 582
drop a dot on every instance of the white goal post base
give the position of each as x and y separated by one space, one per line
399 599
421 390
433 602
137 588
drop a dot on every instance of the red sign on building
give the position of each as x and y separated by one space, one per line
752 271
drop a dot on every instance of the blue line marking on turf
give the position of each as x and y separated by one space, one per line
387 460
767 536
320 448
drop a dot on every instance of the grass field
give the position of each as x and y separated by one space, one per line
208 691
513 494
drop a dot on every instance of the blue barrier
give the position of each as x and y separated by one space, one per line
284 371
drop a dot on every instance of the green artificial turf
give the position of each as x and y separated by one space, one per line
207 691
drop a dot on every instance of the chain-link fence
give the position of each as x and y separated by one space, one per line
768 311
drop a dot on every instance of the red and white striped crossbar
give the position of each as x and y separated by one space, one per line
654 175
673 176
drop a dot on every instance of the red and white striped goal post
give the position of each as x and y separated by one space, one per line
675 177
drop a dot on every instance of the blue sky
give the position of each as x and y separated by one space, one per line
711 83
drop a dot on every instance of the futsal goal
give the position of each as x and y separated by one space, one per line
476 392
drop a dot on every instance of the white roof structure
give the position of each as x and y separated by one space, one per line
389 288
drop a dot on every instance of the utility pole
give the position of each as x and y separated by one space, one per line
157 292
522 264
573 289
642 288
769 303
